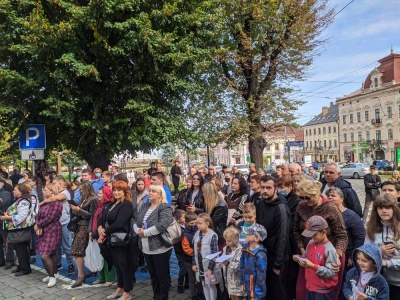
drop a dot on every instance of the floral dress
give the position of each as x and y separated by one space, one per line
48 219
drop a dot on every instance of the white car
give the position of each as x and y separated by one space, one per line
242 168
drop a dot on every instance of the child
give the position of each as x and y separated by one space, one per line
179 215
253 263
249 218
232 266
206 243
364 281
320 255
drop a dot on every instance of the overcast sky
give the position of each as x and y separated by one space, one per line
359 36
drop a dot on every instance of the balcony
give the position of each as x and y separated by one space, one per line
376 122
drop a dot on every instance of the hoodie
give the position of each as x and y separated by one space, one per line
350 197
377 287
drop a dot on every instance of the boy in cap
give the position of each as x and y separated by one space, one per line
253 263
320 255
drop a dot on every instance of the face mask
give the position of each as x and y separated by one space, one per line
282 193
227 180
192 228
98 175
78 174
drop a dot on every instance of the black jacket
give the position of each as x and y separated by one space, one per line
372 182
5 203
350 197
219 217
198 201
274 215
293 200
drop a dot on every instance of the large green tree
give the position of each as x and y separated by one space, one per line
104 76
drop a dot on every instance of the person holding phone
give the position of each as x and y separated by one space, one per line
194 196
383 229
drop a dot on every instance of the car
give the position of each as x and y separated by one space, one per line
217 169
354 170
243 169
384 165
270 169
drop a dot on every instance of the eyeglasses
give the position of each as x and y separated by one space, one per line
196 179
305 198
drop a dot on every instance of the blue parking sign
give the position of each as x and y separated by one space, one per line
33 137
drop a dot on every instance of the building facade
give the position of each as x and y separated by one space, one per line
369 117
321 135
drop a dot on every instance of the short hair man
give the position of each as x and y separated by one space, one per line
372 183
152 168
235 170
158 178
312 172
221 174
114 170
332 178
176 173
392 188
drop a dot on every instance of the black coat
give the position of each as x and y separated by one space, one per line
219 217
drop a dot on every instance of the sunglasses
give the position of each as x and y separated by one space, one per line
305 198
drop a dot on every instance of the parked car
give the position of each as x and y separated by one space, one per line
243 169
384 165
269 169
354 170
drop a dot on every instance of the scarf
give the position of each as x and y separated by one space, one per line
107 197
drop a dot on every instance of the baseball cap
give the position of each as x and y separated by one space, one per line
314 224
258 230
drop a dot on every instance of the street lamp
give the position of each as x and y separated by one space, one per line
69 160
208 145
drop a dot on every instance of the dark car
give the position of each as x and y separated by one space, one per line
384 165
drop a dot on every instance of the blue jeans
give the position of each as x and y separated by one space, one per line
65 246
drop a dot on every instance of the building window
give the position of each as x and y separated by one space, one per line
345 137
352 136
306 132
344 119
366 115
378 135
277 157
376 82
335 143
323 130
309 131
351 119
389 112
359 136
325 143
390 134
330 143
268 148
377 114
307 144
367 136
359 117
276 146
334 129
315 131
329 129
319 130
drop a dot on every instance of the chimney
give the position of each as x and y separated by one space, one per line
324 111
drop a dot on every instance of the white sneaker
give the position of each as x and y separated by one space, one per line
46 279
52 282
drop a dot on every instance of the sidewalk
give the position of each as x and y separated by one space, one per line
31 286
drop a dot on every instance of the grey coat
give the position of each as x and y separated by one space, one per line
232 272
161 218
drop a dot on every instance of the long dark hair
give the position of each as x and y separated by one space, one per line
39 187
242 184
87 190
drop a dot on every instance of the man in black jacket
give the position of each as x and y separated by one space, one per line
332 179
5 202
176 174
273 213
372 183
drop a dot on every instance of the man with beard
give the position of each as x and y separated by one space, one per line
273 213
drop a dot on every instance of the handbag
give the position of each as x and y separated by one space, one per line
375 193
73 224
119 239
173 234
19 236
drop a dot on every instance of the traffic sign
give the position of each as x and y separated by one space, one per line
295 144
32 154
34 137
286 149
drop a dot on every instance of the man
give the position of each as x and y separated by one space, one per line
115 171
15 177
235 171
86 176
176 174
211 174
66 240
221 174
312 173
192 171
5 202
158 178
227 188
273 213
294 168
304 168
97 182
78 174
152 168
391 188
332 178
252 170
372 183
202 172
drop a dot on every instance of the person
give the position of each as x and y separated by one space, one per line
176 173
221 174
188 250
106 178
84 211
146 179
332 178
235 172
158 178
97 182
372 184
218 184
75 190
205 243
153 220
249 218
252 170
318 260
383 229
37 189
107 275
211 174
115 170
391 188
152 168
304 168
231 267
297 178
260 172
276 172
217 209
181 199
194 197
312 173
16 218
295 168
48 177
395 176
25 175
254 188
273 213
237 198
5 202
227 188
78 174
179 215
49 232
365 281
139 195
253 263
315 204
15 177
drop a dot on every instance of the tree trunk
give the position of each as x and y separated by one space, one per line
256 148
97 160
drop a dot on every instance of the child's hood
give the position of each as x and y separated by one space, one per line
373 251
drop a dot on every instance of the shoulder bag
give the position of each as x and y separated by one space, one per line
173 234
19 236
119 239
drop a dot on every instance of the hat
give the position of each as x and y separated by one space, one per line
314 224
372 167
258 230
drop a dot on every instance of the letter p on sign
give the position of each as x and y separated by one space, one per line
33 137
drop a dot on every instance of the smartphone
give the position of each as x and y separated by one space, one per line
303 259
388 243
144 224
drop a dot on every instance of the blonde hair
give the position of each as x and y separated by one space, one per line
249 208
159 190
52 188
211 196
310 187
231 234
299 176
206 217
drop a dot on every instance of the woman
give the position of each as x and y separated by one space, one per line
297 178
84 211
217 209
194 197
48 177
37 188
218 184
140 194
116 218
181 201
236 199
255 188
49 232
395 176
153 220
383 228
17 217
315 204
75 190
105 196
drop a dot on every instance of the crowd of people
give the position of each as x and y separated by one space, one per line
280 236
